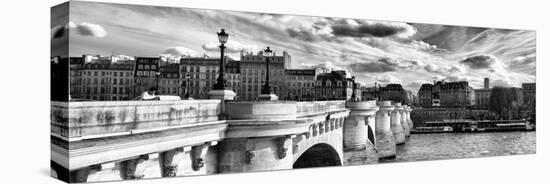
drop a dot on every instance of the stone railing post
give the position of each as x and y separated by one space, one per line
385 141
356 133
409 120
404 121
396 126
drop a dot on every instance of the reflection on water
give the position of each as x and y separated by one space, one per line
465 145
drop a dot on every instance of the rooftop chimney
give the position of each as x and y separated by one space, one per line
486 83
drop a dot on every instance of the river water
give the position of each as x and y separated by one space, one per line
465 145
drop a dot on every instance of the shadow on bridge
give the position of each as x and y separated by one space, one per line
319 155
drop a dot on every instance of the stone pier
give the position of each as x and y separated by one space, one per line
396 126
385 141
404 121
409 120
359 124
259 135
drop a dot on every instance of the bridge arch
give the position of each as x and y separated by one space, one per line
318 155
371 137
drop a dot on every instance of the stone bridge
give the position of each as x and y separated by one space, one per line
114 140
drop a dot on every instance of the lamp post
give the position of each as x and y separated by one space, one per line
266 91
267 55
221 83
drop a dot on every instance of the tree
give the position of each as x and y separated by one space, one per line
505 102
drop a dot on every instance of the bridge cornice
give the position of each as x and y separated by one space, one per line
97 150
362 108
265 128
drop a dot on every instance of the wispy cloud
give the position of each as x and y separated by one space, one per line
371 50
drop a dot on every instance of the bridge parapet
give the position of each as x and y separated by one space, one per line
113 140
317 107
88 119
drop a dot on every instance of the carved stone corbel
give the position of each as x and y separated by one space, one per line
169 168
309 132
283 144
129 168
249 156
321 128
315 129
198 154
79 176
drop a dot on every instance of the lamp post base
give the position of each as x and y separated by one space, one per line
270 96
224 94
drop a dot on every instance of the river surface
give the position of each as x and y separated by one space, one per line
465 145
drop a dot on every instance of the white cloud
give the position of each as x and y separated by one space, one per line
88 29
386 79
178 52
231 47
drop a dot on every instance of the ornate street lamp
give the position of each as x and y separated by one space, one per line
267 55
266 91
221 83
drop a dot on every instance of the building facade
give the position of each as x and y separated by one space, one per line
233 74
199 74
482 98
333 86
76 84
170 80
101 78
121 77
253 74
146 74
395 93
529 95
300 84
446 94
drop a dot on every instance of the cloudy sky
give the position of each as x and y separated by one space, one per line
373 51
